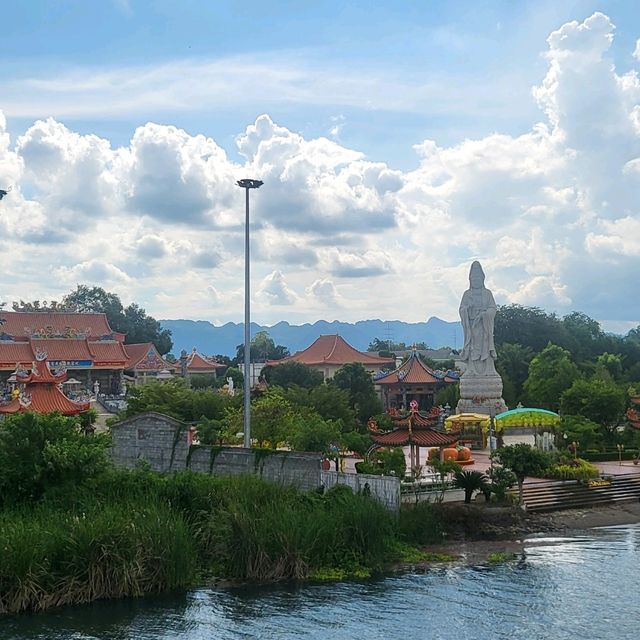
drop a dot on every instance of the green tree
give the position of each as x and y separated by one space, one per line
551 373
327 400
175 399
355 379
600 400
132 320
579 429
585 335
209 430
42 453
449 394
272 419
312 433
513 363
262 348
611 363
528 326
523 460
292 373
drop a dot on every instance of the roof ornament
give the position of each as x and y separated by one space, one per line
41 354
4 192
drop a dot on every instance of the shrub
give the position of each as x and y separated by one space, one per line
577 469
40 453
421 524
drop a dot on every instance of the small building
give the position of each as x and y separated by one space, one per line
41 391
330 352
145 363
197 364
412 380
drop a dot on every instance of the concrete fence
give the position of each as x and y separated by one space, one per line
166 445
385 489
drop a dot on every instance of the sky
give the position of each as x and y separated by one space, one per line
397 142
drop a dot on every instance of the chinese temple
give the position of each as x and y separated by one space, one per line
417 429
82 343
412 380
633 417
197 364
330 352
145 362
41 391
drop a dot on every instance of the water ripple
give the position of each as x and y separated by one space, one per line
584 587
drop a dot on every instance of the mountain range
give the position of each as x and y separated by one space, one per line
211 340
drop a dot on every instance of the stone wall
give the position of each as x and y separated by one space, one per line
385 489
166 445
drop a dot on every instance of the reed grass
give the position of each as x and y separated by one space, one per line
51 557
130 533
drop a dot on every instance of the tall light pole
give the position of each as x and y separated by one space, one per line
247 184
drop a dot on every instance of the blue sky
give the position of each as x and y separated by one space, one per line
412 127
477 60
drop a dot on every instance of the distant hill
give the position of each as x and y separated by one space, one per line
210 340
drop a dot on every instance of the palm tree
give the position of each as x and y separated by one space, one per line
470 481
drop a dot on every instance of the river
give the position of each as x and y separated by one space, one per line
585 586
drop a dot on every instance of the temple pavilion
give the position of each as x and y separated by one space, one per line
412 380
330 352
415 430
42 392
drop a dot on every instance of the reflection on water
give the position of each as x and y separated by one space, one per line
583 587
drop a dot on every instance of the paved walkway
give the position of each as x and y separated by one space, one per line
482 463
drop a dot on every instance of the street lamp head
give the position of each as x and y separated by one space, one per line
248 183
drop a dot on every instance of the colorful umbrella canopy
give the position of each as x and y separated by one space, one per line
527 417
454 423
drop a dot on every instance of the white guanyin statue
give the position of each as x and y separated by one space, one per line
480 383
477 312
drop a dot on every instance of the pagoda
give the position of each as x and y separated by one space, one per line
413 380
42 391
414 430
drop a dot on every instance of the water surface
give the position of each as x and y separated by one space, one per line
586 586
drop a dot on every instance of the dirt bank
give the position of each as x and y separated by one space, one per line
505 533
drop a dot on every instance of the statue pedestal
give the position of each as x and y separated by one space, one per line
481 394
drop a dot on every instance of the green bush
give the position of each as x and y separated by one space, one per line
39 453
577 469
421 524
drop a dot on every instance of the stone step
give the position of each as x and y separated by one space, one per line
553 495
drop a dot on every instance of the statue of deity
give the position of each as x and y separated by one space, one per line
477 312
230 386
480 383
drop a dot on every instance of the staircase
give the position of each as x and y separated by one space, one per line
569 494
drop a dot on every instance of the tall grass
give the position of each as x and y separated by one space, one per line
52 557
130 533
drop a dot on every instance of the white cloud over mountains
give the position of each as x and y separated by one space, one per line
553 214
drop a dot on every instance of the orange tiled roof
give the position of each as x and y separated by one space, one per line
13 353
145 356
109 352
423 438
410 372
333 349
42 394
198 362
54 324
63 349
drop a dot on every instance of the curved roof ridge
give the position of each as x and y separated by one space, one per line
335 344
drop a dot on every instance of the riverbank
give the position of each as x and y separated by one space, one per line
507 542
